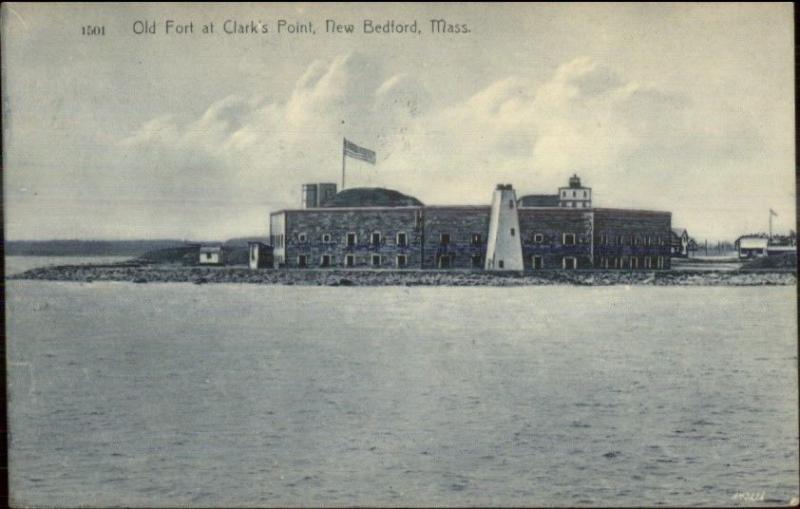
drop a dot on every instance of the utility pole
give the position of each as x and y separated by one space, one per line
770 225
344 161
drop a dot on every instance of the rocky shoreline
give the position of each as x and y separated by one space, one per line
136 273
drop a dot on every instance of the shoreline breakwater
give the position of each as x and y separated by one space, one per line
136 273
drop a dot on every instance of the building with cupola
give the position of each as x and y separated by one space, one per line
377 228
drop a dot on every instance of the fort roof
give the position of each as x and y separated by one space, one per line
371 197
539 200
472 207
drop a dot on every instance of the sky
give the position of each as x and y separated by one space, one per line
687 108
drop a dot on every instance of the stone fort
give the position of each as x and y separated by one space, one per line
380 228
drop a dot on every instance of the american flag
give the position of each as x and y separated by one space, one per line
356 152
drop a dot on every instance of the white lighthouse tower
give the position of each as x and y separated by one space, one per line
504 250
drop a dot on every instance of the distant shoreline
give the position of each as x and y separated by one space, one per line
137 273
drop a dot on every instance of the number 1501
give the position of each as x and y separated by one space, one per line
93 30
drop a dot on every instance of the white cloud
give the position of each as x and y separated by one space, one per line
638 144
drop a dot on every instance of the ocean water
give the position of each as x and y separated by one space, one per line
19 264
245 395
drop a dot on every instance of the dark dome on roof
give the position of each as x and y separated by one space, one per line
539 200
371 197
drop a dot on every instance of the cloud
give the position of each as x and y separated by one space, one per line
245 156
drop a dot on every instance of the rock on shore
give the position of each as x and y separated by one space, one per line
334 277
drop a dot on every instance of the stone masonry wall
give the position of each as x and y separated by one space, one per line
631 239
460 223
337 223
628 236
551 224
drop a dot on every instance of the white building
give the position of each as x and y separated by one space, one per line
679 242
575 196
750 246
211 255
504 249
259 255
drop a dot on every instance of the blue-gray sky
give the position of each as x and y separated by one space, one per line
687 108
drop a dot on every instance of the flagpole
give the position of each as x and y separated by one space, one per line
344 158
770 224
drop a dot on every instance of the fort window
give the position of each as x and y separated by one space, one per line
376 260
326 238
537 262
351 239
570 263
584 194
444 239
444 261
573 194
477 239
513 232
538 238
500 264
402 261
325 261
573 205
511 204
402 239
376 239
477 261
568 239
349 260
302 261
301 237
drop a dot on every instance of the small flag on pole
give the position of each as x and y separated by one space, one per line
773 213
356 152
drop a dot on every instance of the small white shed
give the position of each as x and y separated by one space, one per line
260 255
750 246
211 255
